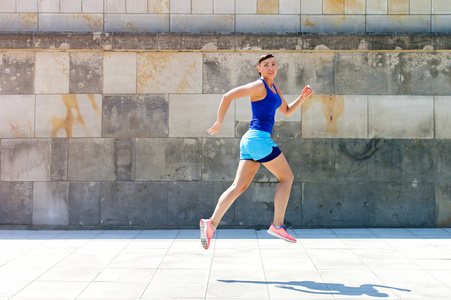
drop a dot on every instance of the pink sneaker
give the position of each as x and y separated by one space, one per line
206 232
281 233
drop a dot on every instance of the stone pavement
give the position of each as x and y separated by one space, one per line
241 264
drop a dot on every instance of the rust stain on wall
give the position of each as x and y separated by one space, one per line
94 23
30 20
184 84
268 7
16 130
332 107
66 123
333 7
158 6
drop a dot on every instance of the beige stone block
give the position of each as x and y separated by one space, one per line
202 6
52 73
420 7
268 7
224 6
335 116
398 23
268 24
442 117
192 115
70 6
401 117
7 6
355 7
289 7
179 73
27 6
311 7
244 110
92 6
119 69
333 7
202 23
158 6
50 203
19 22
68 115
114 6
17 116
136 6
71 22
376 7
333 23
137 23
441 7
246 7
49 6
440 23
179 6
398 7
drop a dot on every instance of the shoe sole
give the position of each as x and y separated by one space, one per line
203 234
280 237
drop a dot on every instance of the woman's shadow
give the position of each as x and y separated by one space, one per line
312 287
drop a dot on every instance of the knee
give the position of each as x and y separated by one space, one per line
287 178
239 187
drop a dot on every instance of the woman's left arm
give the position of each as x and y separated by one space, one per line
289 109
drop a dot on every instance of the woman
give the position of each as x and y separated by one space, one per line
257 147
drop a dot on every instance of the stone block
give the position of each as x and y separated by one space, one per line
333 24
311 7
50 203
119 72
335 116
7 6
114 6
52 73
49 6
255 208
377 7
84 203
202 6
205 42
86 70
27 5
354 72
223 6
91 159
441 7
19 22
193 106
16 41
134 203
63 41
269 42
143 41
426 74
71 22
136 23
442 117
398 7
352 157
25 160
442 161
137 116
398 23
386 121
289 7
420 7
158 6
68 115
190 201
179 73
16 199
70 6
268 24
402 42
18 73
326 205
440 24
355 7
220 159
443 41
202 23
17 116
401 205
136 6
168 159
246 7
268 7
443 205
335 42
92 6
333 7
179 7
124 159
58 160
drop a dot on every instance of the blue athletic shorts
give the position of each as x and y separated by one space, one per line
258 146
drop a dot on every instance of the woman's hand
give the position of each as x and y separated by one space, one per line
306 92
215 128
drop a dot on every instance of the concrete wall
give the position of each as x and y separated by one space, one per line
227 16
109 130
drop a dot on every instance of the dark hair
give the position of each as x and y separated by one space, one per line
264 57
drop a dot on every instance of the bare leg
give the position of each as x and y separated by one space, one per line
280 168
243 178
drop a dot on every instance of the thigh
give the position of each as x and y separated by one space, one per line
246 172
279 167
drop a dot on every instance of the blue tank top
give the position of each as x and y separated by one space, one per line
263 111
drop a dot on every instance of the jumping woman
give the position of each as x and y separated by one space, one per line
257 147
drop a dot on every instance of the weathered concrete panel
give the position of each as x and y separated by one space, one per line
52 73
440 24
91 160
442 161
19 22
119 72
443 204
398 23
58 160
268 42
426 73
442 112
66 41
205 42
135 41
135 116
415 121
16 40
25 160
335 42
132 203
355 70
220 159
168 159
18 73
1 72
86 70
84 203
401 205
179 73
68 115
17 116
268 24
334 205
402 42
351 159
50 203
71 22
124 159
191 107
16 203
136 23
219 23
349 24
335 116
